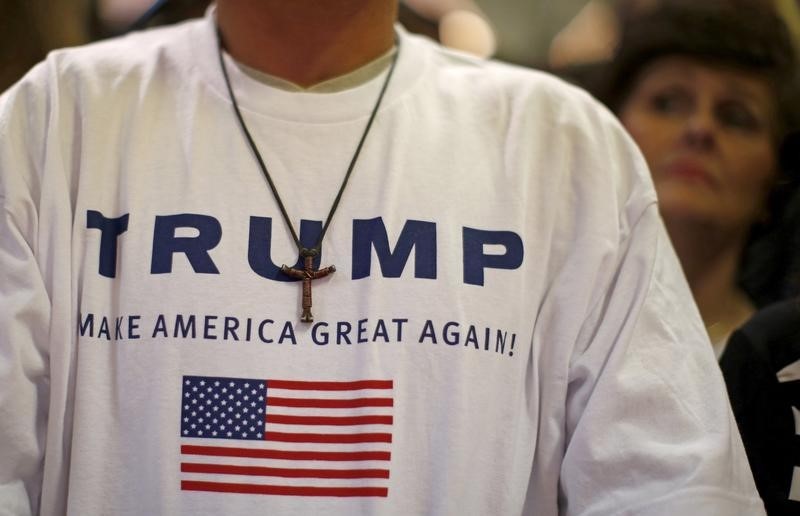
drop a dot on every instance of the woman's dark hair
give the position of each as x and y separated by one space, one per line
747 35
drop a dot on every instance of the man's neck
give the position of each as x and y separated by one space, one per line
306 41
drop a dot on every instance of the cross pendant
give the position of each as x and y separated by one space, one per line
307 274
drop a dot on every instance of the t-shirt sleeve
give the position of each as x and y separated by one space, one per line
24 303
649 429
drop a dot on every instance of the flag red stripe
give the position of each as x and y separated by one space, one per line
224 451
329 403
281 419
223 469
219 487
329 438
329 386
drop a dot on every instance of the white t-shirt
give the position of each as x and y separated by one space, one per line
507 330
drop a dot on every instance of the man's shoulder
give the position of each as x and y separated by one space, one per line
120 55
453 68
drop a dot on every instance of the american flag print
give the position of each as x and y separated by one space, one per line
286 437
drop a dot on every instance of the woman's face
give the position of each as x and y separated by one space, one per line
707 135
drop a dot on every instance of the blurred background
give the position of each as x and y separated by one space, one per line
536 33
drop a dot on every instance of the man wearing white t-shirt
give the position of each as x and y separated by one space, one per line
290 259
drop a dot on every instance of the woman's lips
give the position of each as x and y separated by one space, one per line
690 170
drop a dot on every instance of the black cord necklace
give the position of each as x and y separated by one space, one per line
308 272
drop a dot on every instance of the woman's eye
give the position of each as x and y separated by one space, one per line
738 116
669 102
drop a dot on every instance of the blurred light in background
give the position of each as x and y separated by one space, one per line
118 14
535 33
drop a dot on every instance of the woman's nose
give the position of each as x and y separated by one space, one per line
700 129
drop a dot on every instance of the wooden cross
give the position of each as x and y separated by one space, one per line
307 274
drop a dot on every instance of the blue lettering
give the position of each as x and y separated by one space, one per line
342 330
451 338
362 331
118 328
428 332
160 327
104 329
287 334
400 323
86 323
472 337
133 325
319 334
475 261
380 331
184 328
261 331
196 249
258 252
500 343
209 326
231 324
110 229
417 235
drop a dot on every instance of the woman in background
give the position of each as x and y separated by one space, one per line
708 91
